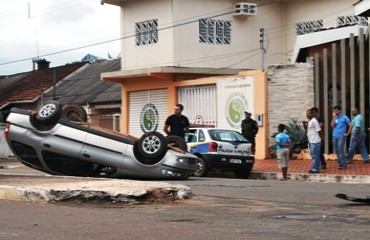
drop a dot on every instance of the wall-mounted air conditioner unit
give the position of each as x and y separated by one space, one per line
245 9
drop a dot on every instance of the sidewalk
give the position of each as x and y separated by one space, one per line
357 172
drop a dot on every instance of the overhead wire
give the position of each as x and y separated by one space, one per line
175 24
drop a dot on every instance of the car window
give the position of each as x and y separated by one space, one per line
227 136
202 138
191 136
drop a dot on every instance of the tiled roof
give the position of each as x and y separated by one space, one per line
28 86
86 86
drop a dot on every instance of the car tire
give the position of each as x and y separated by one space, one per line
242 174
48 114
74 113
177 141
201 168
152 145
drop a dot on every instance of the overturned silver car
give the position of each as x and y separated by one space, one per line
46 141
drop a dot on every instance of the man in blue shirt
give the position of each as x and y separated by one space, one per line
341 125
282 151
358 137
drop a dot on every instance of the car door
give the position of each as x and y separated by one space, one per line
104 150
66 141
198 143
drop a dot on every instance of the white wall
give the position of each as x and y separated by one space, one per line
160 54
5 151
303 10
180 46
290 93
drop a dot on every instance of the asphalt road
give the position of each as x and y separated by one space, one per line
224 208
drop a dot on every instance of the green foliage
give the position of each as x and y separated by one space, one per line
296 132
297 135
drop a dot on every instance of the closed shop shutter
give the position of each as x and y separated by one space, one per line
148 111
199 103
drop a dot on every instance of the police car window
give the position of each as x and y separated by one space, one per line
191 136
225 135
201 136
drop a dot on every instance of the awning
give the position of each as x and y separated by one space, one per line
322 37
362 8
167 73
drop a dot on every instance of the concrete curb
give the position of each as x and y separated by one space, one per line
63 189
329 178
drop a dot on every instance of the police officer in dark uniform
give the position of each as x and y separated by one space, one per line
249 128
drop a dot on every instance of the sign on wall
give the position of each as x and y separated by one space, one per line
235 95
148 111
149 118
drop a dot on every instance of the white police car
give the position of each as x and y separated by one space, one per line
220 149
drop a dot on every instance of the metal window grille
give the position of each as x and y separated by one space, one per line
227 32
146 32
203 30
213 31
219 32
308 27
352 20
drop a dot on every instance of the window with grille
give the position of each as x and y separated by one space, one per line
214 31
352 20
146 32
309 27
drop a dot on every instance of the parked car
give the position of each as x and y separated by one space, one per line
220 149
48 142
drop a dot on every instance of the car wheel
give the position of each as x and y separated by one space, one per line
74 113
177 141
49 113
242 174
201 168
152 145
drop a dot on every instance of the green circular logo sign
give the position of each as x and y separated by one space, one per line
235 106
149 118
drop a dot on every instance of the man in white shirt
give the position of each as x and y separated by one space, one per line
314 135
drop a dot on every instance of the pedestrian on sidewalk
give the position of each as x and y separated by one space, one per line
314 136
321 121
358 137
340 124
282 150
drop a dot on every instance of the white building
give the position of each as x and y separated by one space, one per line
220 33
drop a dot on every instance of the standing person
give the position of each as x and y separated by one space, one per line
282 151
322 148
249 128
177 124
314 135
340 123
358 137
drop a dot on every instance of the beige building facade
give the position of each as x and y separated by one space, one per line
171 48
173 29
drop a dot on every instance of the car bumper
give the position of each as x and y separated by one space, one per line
227 162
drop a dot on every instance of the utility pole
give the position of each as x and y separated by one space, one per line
262 47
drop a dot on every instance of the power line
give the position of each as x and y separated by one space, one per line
131 35
178 24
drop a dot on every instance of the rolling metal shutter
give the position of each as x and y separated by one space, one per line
139 103
199 101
